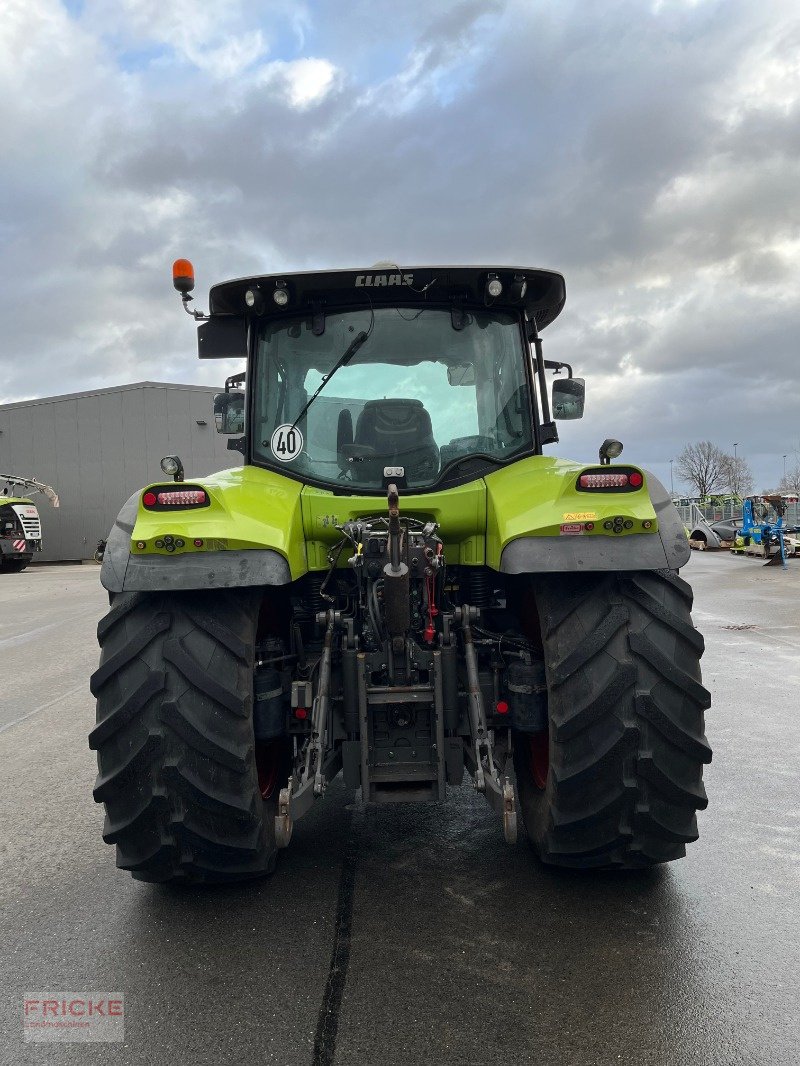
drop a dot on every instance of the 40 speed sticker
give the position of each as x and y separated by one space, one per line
286 443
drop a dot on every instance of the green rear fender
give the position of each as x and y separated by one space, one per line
250 534
249 508
538 521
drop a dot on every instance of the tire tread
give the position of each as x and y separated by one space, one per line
626 706
174 737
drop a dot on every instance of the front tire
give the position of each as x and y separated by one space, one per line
174 738
15 566
616 779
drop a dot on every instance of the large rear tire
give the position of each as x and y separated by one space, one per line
174 738
616 779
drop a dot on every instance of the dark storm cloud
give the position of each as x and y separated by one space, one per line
650 151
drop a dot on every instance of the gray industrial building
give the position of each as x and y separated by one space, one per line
96 448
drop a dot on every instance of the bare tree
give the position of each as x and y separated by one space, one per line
704 466
790 482
738 475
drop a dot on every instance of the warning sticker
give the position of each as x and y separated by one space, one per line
286 443
572 530
579 516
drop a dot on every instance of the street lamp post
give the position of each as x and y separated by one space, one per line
784 466
671 486
735 446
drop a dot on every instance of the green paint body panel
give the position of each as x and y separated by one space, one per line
17 499
257 508
536 497
460 512
250 508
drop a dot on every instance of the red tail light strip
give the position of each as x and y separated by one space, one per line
182 498
605 479
165 498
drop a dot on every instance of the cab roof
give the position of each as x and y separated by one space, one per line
382 285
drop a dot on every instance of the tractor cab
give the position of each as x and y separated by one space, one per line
424 372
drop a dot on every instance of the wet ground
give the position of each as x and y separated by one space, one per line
413 934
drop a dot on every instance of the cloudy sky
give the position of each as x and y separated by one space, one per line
648 149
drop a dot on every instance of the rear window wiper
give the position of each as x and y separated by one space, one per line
343 360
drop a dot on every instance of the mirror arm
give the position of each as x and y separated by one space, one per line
536 340
556 367
548 434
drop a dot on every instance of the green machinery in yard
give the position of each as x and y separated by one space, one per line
20 523
398 585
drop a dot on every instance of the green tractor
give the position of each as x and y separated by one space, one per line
397 586
20 524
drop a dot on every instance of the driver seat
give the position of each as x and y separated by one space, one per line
400 433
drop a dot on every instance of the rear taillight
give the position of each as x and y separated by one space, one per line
182 497
163 498
603 479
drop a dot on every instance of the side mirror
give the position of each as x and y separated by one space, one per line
568 398
461 374
229 412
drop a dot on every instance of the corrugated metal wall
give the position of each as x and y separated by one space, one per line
97 448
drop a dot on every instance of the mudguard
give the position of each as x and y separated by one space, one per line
666 549
123 571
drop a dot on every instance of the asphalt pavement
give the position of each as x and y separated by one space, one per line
407 934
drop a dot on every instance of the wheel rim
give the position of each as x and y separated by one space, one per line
539 757
268 766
